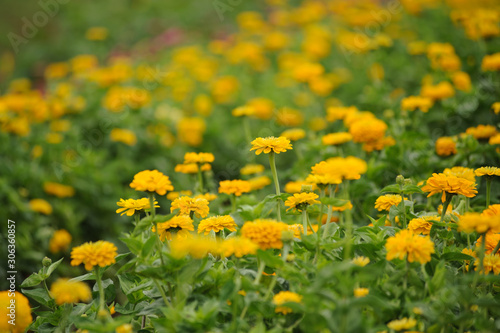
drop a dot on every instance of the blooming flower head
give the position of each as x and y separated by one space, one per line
237 246
461 172
22 312
260 182
296 186
411 103
179 225
470 222
200 158
491 263
361 292
188 206
367 130
216 223
361 261
152 181
407 244
285 297
271 144
385 202
59 190
40 206
196 246
236 187
100 253
439 91
422 225
294 134
130 206
334 139
402 324
492 240
264 232
124 136
446 146
60 241
492 210
487 171
300 201
251 169
65 291
482 132
441 183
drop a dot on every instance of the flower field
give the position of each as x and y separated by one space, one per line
278 166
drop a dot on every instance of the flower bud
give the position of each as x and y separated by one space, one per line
400 180
46 262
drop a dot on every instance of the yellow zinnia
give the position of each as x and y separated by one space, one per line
265 232
407 244
441 183
270 144
285 297
152 181
216 223
300 201
188 206
100 253
130 206
65 291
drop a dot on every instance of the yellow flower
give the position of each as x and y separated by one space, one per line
216 223
491 62
407 244
336 138
336 169
190 130
294 134
470 222
181 224
300 201
491 263
60 241
100 253
402 324
236 187
187 206
461 172
262 108
385 202
237 246
487 171
494 140
270 144
21 312
379 144
296 186
40 206
461 81
258 183
59 190
361 292
441 183
482 131
200 158
334 113
130 206
124 136
251 169
285 297
265 232
96 33
347 205
496 107
446 146
174 195
243 111
125 328
492 210
208 196
422 225
56 70
298 229
197 247
65 291
439 91
411 103
492 240
189 168
367 130
152 181
361 261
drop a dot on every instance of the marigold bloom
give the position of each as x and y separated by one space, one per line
181 224
407 244
65 291
60 241
22 312
258 183
59 190
152 181
487 171
461 172
216 223
402 324
124 136
411 103
441 183
196 246
40 206
100 253
368 129
265 232
236 187
491 263
470 222
361 261
482 132
251 169
285 297
237 246
361 292
294 134
422 225
130 206
300 201
446 146
385 202
187 205
270 144
336 138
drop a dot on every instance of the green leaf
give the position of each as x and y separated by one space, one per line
391 188
336 202
53 267
39 295
438 279
84 277
408 189
456 256
270 259
134 244
148 246
32 280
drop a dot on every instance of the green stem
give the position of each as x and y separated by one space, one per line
271 286
304 221
200 180
404 209
232 197
246 129
153 215
497 247
329 215
445 206
272 163
162 292
488 191
481 252
99 286
348 234
262 265
407 270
